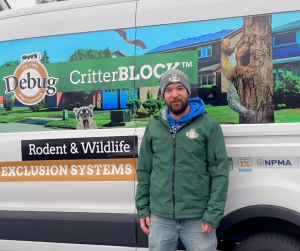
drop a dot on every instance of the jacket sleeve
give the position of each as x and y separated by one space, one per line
218 169
144 169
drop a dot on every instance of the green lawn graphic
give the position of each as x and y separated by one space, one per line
223 114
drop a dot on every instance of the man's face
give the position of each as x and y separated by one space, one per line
176 98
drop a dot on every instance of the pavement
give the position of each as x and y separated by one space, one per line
18 127
37 121
35 124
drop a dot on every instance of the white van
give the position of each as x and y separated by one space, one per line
70 66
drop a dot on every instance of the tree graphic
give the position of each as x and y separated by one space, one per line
254 70
251 86
11 64
45 58
149 95
90 54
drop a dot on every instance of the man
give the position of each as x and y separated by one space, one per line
182 172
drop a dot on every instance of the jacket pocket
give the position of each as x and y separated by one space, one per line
199 186
215 159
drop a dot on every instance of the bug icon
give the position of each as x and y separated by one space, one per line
31 57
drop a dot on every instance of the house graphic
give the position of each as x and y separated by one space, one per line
118 54
286 54
209 57
286 49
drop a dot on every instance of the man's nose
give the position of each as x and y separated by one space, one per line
174 94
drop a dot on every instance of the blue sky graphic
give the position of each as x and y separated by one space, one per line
60 48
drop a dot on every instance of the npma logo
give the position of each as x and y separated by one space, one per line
274 163
30 82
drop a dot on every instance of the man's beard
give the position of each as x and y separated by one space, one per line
180 108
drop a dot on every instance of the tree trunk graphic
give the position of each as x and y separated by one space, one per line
254 70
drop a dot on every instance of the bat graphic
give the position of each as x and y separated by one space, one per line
136 42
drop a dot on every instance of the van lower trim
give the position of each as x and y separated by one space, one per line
109 229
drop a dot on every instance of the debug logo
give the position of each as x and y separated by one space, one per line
30 82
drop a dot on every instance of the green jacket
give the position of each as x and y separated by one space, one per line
183 177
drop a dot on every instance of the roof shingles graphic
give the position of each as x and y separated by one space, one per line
191 41
286 27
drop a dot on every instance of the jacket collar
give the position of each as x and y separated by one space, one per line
162 117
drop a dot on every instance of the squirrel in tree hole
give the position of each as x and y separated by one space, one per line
229 72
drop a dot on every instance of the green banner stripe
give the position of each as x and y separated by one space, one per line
115 73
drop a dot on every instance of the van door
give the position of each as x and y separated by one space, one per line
193 36
72 151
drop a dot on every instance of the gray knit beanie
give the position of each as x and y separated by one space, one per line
174 76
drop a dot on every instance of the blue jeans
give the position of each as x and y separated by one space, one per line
164 235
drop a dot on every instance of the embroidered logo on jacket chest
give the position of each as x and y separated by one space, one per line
192 134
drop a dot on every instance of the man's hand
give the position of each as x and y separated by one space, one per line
145 224
207 228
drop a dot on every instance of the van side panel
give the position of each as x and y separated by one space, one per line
69 21
79 201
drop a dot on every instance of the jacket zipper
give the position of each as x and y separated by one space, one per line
216 160
173 173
